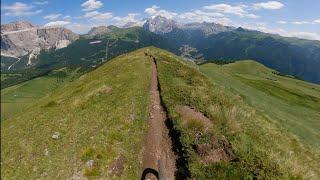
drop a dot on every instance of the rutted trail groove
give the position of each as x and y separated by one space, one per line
159 160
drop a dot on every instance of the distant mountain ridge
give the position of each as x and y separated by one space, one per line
195 41
162 25
215 42
99 31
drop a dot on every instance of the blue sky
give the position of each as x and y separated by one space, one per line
299 18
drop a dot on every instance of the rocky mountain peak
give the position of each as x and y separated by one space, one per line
207 28
160 25
16 26
98 31
21 38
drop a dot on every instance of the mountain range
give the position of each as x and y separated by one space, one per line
25 46
214 42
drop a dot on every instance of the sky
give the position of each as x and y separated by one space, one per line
293 18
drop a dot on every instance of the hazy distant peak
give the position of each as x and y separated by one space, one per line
160 25
16 26
100 30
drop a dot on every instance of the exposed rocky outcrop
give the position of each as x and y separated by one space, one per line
33 55
16 26
162 25
21 38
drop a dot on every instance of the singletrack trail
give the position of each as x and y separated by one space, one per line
159 160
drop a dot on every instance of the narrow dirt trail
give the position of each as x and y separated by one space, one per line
158 159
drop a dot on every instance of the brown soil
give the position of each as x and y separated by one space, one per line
189 114
117 166
105 90
158 159
216 150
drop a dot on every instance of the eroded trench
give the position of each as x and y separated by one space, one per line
163 155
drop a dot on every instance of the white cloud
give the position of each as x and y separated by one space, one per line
300 34
156 11
67 17
52 16
300 22
40 2
130 20
282 22
95 15
239 10
305 35
317 21
20 9
208 14
271 5
91 5
151 10
57 23
79 28
202 16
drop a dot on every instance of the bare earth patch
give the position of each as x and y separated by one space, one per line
189 114
116 167
217 150
105 89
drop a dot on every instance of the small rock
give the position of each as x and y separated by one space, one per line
90 163
44 174
151 115
46 152
56 135
132 117
291 153
34 168
116 167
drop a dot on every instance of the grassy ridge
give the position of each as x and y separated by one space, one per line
99 116
263 150
292 104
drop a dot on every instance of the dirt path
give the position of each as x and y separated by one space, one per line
158 158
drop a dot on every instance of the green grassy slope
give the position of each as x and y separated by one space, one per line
100 116
291 103
263 149
293 56
16 99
